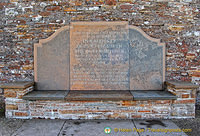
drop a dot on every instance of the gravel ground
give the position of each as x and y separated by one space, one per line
9 126
193 124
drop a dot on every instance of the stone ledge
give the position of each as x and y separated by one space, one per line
105 95
46 95
152 95
181 85
17 85
99 95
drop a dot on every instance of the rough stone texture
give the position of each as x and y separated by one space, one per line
52 61
181 85
99 56
14 104
101 95
46 95
184 104
152 95
24 22
147 62
183 107
40 127
103 56
17 85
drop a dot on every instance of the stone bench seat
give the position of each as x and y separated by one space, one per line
23 101
104 95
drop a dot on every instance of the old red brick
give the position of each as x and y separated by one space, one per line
72 111
45 14
128 103
53 8
126 7
21 114
10 93
111 2
163 101
144 111
196 74
185 95
136 116
183 101
11 107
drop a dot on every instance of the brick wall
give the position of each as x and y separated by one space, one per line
24 22
182 107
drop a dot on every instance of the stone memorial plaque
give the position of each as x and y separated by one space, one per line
99 56
51 61
146 61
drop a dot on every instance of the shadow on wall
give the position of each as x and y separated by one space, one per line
2 103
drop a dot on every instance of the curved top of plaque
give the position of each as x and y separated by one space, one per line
99 56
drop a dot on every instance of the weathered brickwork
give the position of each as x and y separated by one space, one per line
15 105
185 103
183 107
24 22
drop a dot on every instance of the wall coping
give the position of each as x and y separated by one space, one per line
17 85
181 85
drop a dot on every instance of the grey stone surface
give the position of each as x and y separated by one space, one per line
112 95
52 68
99 56
152 95
96 128
46 95
38 127
181 84
146 63
42 127
17 84
154 128
9 126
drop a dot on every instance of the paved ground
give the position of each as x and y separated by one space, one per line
41 127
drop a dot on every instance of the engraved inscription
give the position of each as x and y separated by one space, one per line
99 58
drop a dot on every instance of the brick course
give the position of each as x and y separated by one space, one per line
16 107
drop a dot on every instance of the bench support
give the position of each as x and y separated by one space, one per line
65 108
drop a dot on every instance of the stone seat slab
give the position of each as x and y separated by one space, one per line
46 95
181 85
17 85
112 95
152 95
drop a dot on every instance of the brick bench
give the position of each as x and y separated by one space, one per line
99 70
22 102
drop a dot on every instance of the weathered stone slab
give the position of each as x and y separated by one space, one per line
17 85
147 61
38 127
181 85
51 61
112 95
99 56
46 95
152 95
96 128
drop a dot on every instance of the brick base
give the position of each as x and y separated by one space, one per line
182 107
165 109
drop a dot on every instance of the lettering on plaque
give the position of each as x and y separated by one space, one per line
99 57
